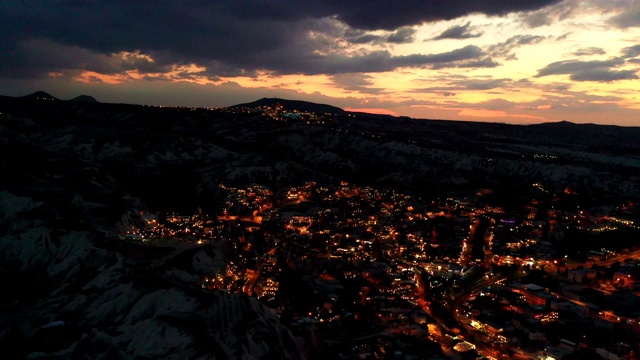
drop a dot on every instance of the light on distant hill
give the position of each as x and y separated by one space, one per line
40 95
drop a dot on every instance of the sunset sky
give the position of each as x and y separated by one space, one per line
483 60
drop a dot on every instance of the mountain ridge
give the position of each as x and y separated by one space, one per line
85 98
39 95
320 108
288 104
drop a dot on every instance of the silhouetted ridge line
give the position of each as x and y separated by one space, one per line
293 105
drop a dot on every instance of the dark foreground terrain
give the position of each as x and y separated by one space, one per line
75 174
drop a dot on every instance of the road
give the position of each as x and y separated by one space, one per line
634 254
467 245
469 333
455 314
252 277
477 239
488 243
482 348
479 243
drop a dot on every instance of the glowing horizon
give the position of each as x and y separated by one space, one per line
561 60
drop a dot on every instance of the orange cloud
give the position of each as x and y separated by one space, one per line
496 114
94 77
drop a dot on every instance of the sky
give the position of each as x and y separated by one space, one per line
521 62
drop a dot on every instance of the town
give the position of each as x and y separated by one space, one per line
366 273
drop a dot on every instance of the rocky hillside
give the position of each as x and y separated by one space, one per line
71 290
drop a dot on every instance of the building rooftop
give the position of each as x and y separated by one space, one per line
533 287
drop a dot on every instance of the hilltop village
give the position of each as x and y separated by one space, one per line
361 272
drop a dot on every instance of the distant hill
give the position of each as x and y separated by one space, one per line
557 124
39 95
85 98
294 105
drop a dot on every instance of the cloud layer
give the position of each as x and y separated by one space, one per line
227 38
596 70
488 59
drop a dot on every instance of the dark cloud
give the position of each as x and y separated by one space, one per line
496 104
458 32
366 38
171 32
602 71
382 14
94 79
374 61
402 36
589 51
39 57
604 75
505 49
356 82
628 18
550 14
227 36
575 66
556 87
439 90
467 84
465 53
482 84
486 62
631 51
